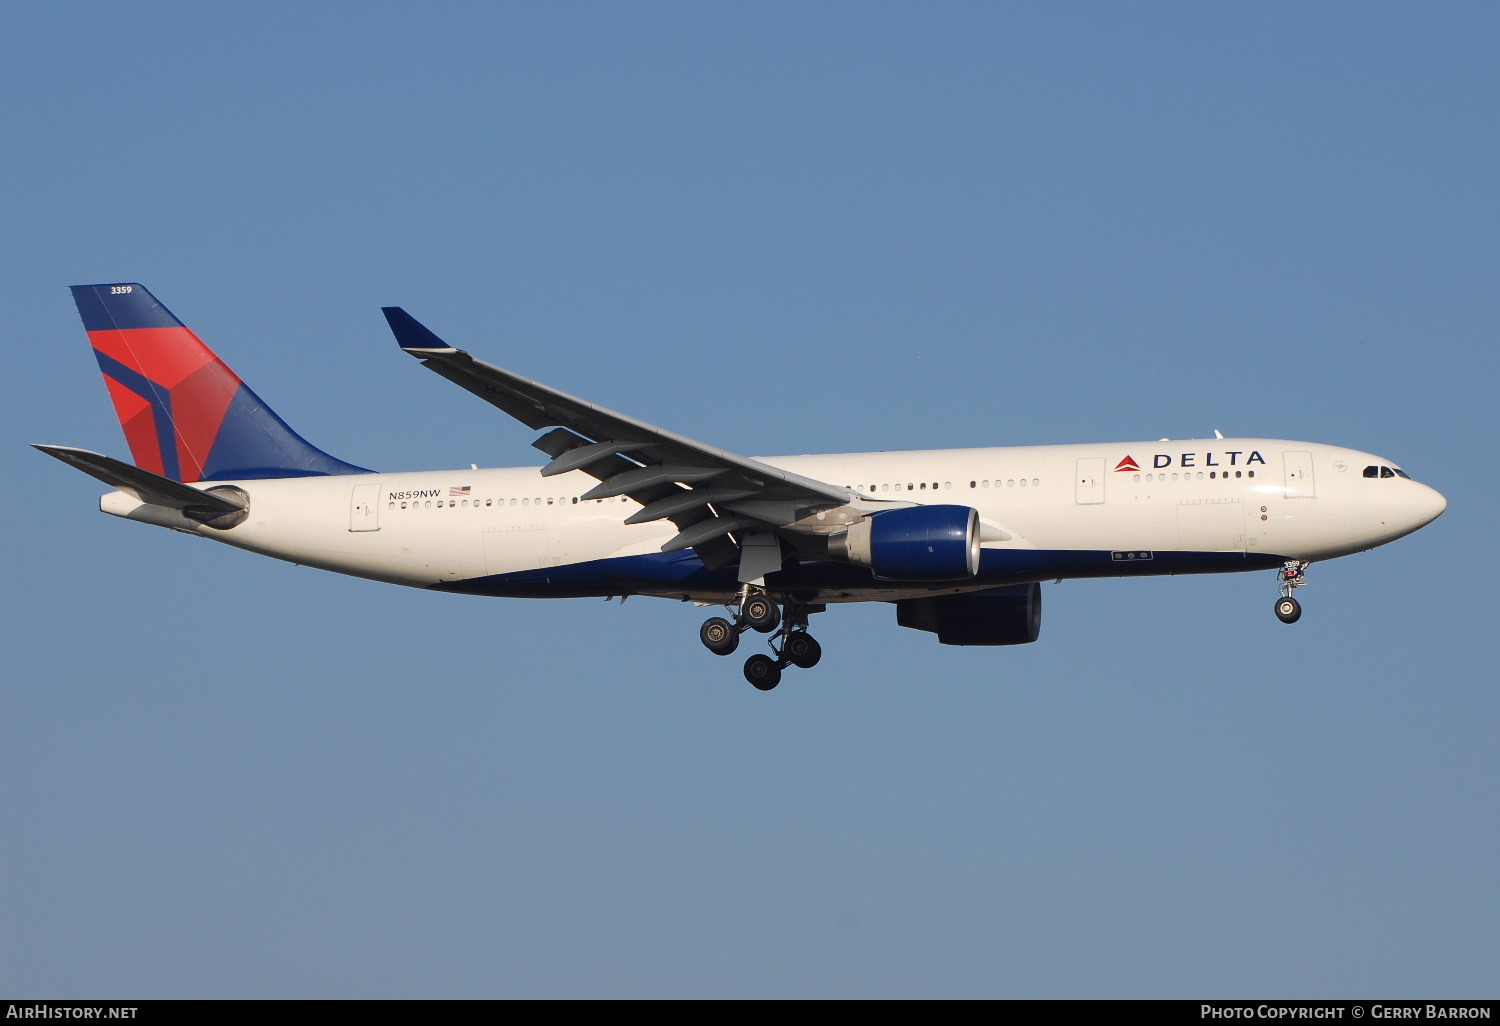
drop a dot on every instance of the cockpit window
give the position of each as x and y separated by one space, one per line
1378 471
1402 473
1372 472
1387 472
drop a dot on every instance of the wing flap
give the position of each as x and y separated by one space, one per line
683 501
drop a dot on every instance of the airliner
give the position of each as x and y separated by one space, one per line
958 540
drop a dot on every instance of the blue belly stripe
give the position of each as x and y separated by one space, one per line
676 573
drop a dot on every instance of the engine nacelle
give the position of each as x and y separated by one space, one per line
999 616
916 543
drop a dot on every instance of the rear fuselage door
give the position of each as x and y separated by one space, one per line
364 508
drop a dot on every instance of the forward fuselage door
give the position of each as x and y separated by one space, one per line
1299 475
1089 481
364 508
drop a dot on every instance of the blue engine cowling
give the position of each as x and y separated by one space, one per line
917 543
997 616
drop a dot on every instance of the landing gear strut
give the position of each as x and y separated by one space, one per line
791 645
1292 576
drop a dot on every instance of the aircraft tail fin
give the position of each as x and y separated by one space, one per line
186 415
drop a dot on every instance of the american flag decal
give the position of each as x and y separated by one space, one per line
454 492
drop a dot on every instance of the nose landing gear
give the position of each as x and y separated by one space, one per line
791 645
1292 575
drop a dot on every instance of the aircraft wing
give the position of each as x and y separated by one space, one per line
709 494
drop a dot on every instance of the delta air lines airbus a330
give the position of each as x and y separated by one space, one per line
957 539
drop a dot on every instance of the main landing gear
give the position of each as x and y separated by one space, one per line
791 645
1292 576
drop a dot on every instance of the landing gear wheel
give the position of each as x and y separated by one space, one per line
760 613
762 671
1288 610
719 636
802 649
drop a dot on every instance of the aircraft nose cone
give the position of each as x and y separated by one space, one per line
1418 507
1430 504
1410 508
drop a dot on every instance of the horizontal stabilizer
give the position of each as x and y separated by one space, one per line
144 485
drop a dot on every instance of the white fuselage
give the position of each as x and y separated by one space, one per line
1058 510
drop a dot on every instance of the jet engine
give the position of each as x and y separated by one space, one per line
998 616
916 543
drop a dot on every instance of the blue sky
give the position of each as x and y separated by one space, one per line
777 228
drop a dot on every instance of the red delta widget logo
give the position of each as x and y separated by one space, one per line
1228 458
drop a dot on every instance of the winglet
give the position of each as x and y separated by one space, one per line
412 335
